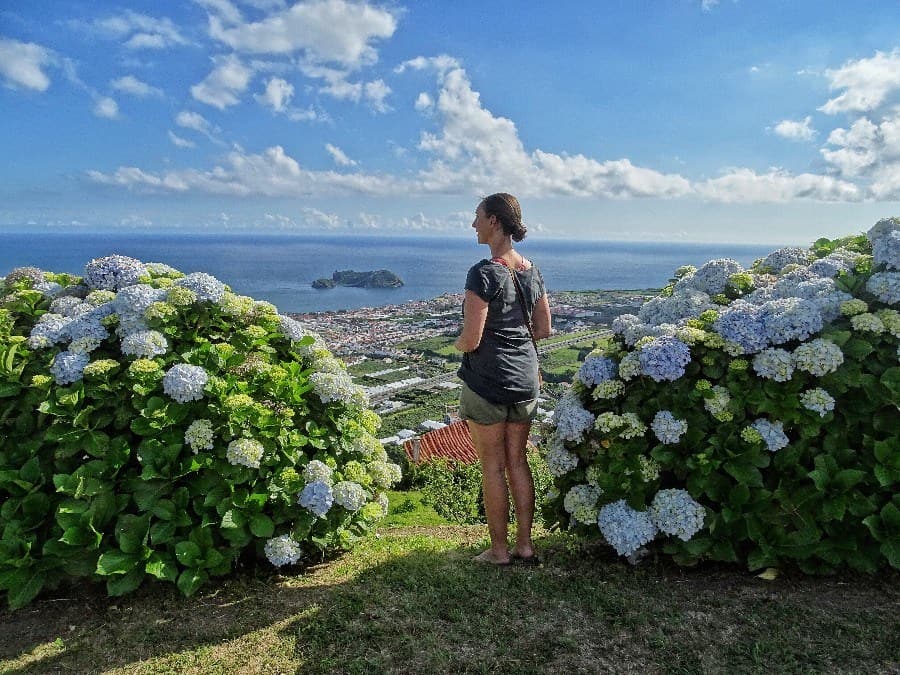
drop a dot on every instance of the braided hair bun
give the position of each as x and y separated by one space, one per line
507 210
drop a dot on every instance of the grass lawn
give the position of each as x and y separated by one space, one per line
411 601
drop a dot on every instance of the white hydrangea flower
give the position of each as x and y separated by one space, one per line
317 471
245 452
350 495
199 435
283 550
581 502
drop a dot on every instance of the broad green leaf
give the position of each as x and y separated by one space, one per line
190 580
117 562
262 526
744 472
188 553
131 532
162 567
126 583
26 589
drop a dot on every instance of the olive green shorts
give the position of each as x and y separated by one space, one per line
481 411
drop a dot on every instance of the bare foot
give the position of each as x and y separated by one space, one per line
488 557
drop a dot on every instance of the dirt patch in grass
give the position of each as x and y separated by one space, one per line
411 601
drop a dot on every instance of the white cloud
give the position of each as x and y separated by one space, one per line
318 218
440 64
271 173
106 107
707 5
223 86
325 31
747 186
476 150
339 88
867 83
795 130
869 151
22 64
131 85
277 95
338 155
139 30
180 142
226 11
424 102
376 91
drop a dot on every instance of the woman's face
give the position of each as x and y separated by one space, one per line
483 224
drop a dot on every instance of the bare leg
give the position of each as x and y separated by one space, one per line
521 485
489 441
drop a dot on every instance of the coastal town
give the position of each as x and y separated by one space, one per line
403 354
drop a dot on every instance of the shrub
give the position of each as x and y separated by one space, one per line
158 425
453 488
760 428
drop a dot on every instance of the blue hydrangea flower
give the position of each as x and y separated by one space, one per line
741 323
206 286
772 433
282 550
664 359
676 513
317 497
49 329
840 260
667 427
885 286
113 272
134 300
686 303
596 369
571 419
625 529
712 277
559 460
774 364
86 326
886 250
145 344
68 305
817 400
779 259
68 367
184 382
790 319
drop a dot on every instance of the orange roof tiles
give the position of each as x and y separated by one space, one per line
450 442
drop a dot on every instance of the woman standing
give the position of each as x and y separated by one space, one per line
500 371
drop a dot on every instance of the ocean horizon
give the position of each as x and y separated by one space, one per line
280 268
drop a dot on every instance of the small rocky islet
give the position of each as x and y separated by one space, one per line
370 279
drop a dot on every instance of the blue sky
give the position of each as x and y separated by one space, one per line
737 120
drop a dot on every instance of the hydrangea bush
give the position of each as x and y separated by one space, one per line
155 424
746 415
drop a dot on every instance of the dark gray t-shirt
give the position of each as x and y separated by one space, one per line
504 368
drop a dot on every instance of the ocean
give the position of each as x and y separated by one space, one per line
280 268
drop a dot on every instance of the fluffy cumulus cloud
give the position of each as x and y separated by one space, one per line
129 84
138 31
867 151
224 85
338 155
336 85
475 149
865 83
324 31
794 130
22 64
